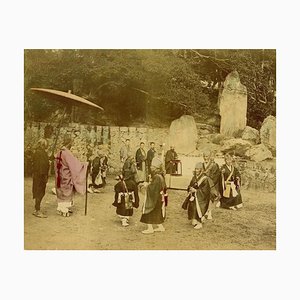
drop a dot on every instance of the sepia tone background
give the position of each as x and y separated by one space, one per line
130 24
214 100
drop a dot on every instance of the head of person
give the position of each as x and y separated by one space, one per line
206 156
142 145
67 141
156 166
172 148
152 145
127 142
198 168
228 159
42 144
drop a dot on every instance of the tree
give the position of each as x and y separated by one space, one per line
148 86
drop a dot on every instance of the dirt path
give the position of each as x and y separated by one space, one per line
253 227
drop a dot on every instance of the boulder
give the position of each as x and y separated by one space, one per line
251 134
268 133
204 129
205 145
183 134
259 153
233 105
216 138
236 146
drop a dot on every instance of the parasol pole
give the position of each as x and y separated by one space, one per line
77 100
58 129
86 187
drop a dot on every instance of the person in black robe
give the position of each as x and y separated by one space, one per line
156 200
230 183
170 165
141 158
98 167
40 170
126 198
198 199
129 170
150 156
212 170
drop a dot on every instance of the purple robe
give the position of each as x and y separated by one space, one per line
70 175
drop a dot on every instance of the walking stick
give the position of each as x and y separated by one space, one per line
86 187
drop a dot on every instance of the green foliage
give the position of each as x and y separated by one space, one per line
146 86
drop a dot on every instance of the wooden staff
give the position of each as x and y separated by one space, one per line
86 187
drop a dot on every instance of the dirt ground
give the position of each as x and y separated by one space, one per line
251 228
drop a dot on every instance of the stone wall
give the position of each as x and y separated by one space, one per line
109 138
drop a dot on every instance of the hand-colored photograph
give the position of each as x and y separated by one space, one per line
150 149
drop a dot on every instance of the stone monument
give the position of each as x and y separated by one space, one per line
183 134
233 105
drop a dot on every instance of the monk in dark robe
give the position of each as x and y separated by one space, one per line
126 198
141 158
230 183
99 165
212 170
154 208
170 165
40 168
150 156
129 170
197 202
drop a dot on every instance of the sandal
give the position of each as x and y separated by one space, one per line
147 231
198 226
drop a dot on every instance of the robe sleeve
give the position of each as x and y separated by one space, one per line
153 194
77 170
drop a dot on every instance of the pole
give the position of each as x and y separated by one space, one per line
86 188
58 130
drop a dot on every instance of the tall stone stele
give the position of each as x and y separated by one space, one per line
233 105
183 134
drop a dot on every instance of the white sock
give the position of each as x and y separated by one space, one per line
150 227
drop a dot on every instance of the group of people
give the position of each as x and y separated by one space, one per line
143 159
145 172
212 186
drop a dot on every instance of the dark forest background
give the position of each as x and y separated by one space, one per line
150 87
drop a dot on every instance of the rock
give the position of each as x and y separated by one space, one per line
268 133
216 138
251 134
236 146
233 105
204 129
259 153
183 134
213 120
205 145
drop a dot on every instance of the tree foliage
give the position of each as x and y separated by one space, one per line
148 86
